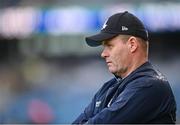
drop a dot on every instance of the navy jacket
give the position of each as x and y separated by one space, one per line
144 96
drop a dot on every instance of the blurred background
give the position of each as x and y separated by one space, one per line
47 72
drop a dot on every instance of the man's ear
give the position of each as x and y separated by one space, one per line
133 44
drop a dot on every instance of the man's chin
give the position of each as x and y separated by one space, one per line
112 71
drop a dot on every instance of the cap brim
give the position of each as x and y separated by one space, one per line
97 39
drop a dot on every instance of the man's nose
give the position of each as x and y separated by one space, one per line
104 53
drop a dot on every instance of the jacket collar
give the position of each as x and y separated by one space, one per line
141 68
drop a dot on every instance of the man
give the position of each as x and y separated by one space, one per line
138 93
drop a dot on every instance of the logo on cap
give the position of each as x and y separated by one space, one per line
124 28
104 25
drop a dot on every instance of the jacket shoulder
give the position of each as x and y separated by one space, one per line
147 79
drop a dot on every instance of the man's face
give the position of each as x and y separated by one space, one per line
116 54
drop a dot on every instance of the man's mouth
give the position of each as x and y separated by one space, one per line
108 62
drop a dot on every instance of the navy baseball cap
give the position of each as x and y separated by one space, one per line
123 23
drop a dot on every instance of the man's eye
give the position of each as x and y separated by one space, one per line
110 46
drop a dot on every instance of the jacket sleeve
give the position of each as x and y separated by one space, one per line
133 105
88 112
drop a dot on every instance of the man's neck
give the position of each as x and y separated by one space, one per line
133 66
